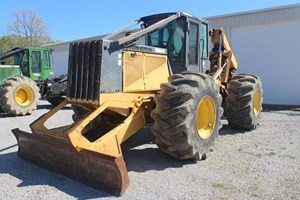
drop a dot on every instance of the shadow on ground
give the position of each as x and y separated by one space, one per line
282 109
141 154
49 107
228 130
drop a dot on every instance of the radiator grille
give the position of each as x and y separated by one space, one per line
84 71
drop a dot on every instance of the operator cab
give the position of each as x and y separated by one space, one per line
38 58
186 39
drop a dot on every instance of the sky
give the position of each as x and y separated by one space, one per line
76 19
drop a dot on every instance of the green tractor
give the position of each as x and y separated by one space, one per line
23 82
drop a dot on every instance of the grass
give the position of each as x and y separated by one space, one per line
287 156
272 153
255 191
258 155
242 150
218 185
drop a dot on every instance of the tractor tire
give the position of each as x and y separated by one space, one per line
20 96
244 101
187 116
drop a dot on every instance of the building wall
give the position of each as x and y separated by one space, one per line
266 43
258 17
270 51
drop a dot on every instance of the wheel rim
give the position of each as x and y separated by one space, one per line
206 117
24 96
256 103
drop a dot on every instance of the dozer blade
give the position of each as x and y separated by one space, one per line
100 171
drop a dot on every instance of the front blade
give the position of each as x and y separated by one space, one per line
100 171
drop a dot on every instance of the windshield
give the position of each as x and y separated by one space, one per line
172 37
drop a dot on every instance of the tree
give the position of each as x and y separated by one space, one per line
28 29
4 44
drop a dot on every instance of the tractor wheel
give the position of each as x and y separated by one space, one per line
244 101
20 96
187 117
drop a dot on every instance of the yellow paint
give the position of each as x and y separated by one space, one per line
256 103
206 117
108 144
24 96
144 71
228 48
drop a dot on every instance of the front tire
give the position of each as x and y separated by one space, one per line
20 96
244 101
187 115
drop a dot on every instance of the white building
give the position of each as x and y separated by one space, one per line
266 42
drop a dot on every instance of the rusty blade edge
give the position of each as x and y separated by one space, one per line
100 171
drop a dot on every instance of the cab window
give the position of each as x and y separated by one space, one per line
36 62
46 59
24 62
204 39
171 37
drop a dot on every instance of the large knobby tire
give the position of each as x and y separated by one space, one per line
244 101
20 96
187 116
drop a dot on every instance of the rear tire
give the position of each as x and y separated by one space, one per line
244 101
187 115
20 96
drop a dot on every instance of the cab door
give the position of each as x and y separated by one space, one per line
197 46
204 45
36 62
46 64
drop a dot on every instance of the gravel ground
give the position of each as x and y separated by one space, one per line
262 164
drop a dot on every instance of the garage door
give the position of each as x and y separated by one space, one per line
273 52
